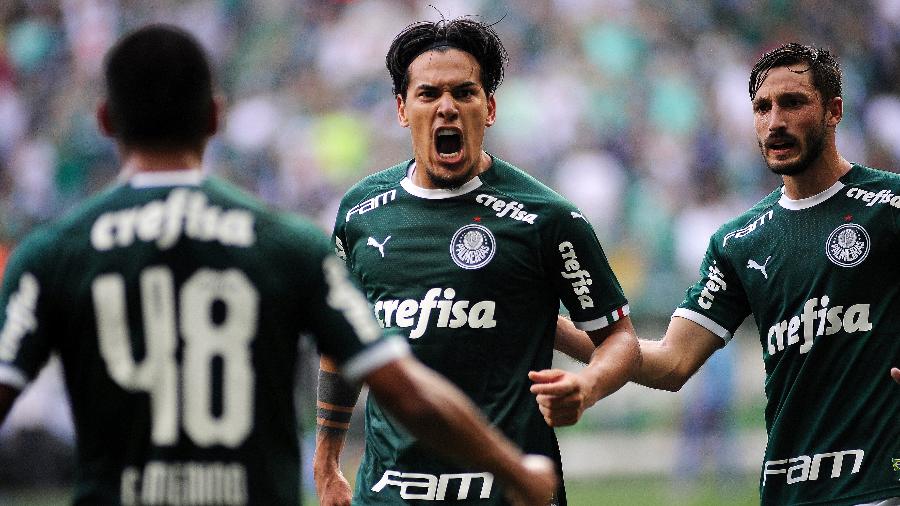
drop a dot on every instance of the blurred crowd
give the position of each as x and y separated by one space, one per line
637 110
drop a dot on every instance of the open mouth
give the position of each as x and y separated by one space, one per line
448 142
781 144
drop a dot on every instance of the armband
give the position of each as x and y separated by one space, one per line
335 399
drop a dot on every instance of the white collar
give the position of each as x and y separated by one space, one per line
436 193
150 179
799 204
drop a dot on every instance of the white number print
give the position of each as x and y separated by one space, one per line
204 340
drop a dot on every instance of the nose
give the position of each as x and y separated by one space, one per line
447 109
776 119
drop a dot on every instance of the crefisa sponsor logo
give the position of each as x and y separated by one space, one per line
579 278
817 319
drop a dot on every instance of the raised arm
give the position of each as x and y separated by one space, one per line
612 356
442 418
335 399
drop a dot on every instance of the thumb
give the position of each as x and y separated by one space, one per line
546 375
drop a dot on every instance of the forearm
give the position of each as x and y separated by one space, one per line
335 400
661 367
573 342
613 363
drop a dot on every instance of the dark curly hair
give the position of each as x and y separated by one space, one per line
476 38
826 73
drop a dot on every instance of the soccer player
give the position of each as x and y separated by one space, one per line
815 262
469 257
175 302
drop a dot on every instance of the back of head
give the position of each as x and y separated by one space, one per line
465 34
826 73
159 89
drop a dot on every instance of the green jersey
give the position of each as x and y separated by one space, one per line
821 278
175 303
474 278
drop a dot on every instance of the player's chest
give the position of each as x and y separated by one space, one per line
799 252
438 243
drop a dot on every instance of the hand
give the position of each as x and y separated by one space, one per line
537 486
332 488
562 396
895 373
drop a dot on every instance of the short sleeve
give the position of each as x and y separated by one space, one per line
581 273
341 320
25 341
717 301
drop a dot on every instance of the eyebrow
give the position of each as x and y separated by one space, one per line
467 84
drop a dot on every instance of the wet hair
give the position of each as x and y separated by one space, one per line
826 73
478 39
159 89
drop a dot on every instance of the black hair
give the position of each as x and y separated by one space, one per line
476 38
826 73
159 89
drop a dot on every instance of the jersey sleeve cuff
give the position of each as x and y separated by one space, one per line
13 377
603 321
705 322
379 354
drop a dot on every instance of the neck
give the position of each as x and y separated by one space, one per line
143 160
818 177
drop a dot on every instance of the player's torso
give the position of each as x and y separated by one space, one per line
463 279
822 283
172 344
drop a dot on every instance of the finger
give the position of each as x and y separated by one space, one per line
564 386
559 402
895 373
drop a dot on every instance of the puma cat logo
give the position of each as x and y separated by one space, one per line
374 243
751 264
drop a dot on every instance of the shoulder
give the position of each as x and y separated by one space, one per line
748 221
515 185
373 184
869 179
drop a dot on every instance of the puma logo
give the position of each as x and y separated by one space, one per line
374 243
751 264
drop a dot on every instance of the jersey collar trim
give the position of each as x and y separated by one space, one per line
800 204
436 193
190 177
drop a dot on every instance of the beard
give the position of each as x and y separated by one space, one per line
448 181
815 144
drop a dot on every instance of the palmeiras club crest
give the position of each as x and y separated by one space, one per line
472 246
848 245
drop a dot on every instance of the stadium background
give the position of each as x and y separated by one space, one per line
636 110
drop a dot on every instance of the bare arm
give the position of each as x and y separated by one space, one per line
613 357
441 417
8 395
668 364
334 405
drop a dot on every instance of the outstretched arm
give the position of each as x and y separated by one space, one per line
8 395
668 363
442 418
613 357
334 405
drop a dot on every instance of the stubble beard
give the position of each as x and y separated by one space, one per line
451 182
815 145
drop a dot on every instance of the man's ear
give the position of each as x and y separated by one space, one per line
401 112
834 110
215 115
104 122
492 111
